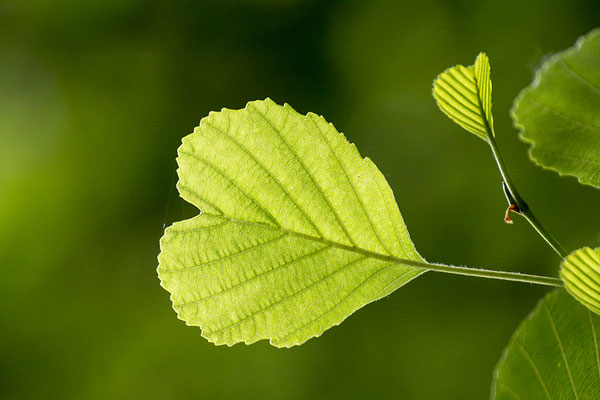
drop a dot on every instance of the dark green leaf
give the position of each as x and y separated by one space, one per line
559 113
553 355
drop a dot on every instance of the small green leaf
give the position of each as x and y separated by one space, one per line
465 95
580 272
296 230
552 355
559 113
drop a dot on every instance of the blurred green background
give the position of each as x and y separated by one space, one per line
95 97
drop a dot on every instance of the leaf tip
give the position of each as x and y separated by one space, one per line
482 59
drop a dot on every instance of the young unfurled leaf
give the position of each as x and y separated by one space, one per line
295 232
559 113
580 272
465 95
553 354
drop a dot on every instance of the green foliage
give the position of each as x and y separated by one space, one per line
465 95
553 354
94 100
559 113
580 272
296 230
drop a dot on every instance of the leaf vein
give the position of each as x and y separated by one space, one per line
457 95
284 299
454 72
201 228
562 351
387 206
535 370
560 114
578 75
270 174
510 391
202 198
197 266
360 201
467 118
338 304
317 186
245 281
206 162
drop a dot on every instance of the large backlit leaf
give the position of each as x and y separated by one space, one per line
559 113
294 231
553 354
465 95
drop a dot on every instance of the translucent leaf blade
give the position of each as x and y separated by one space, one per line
559 113
553 354
464 94
580 272
481 70
294 230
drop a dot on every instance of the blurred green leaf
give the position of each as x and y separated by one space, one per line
294 231
553 354
559 113
464 94
580 272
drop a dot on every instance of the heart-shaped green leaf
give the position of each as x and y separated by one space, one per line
297 231
559 113
465 95
553 355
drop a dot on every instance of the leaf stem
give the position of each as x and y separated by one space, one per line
521 207
449 269
501 275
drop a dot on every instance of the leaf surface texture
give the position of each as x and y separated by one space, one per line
553 355
580 272
464 94
294 231
559 113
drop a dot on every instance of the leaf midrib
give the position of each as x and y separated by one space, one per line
328 244
487 125
355 249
